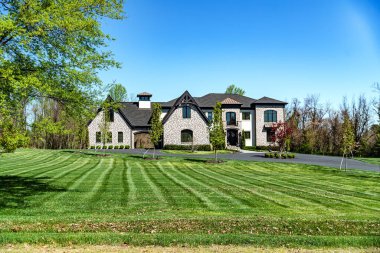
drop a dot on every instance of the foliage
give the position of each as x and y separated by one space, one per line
282 135
118 92
242 141
52 50
279 155
188 147
217 134
157 129
233 89
348 141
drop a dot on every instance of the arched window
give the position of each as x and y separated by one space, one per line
186 135
231 118
270 116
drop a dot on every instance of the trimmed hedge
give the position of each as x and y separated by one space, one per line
104 147
188 147
110 147
277 155
92 147
98 147
127 147
256 148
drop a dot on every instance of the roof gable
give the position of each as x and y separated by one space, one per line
185 98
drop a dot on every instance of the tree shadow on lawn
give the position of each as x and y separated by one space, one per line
15 190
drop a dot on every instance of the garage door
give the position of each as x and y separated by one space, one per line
142 140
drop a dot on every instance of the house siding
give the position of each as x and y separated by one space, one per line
175 124
119 125
261 133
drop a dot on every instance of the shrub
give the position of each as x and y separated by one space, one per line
251 148
291 156
188 147
110 147
92 147
121 147
126 147
98 147
269 155
116 147
276 155
104 147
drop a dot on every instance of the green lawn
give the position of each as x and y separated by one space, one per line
67 197
371 160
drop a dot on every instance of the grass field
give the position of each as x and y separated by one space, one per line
68 197
371 160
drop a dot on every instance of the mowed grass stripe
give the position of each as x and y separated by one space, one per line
132 195
101 183
268 198
217 191
162 183
221 186
326 190
263 184
203 200
304 179
25 155
74 185
156 191
78 160
22 164
58 161
322 195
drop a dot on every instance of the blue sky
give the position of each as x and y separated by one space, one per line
276 48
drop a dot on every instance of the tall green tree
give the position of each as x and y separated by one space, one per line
118 92
157 128
217 134
52 49
233 89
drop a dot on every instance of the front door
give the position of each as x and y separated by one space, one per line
232 137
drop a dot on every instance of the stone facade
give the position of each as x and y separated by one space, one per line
176 123
261 132
119 125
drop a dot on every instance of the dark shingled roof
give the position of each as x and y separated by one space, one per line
137 117
209 100
266 100
141 117
144 94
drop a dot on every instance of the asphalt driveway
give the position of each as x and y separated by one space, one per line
330 161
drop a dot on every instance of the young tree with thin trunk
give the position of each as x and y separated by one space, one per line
157 129
217 134
118 92
348 139
282 135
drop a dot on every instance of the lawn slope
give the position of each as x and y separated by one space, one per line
64 196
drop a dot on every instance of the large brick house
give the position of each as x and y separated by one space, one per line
186 119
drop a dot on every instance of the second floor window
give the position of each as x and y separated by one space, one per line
110 115
270 116
231 118
246 115
186 112
209 116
